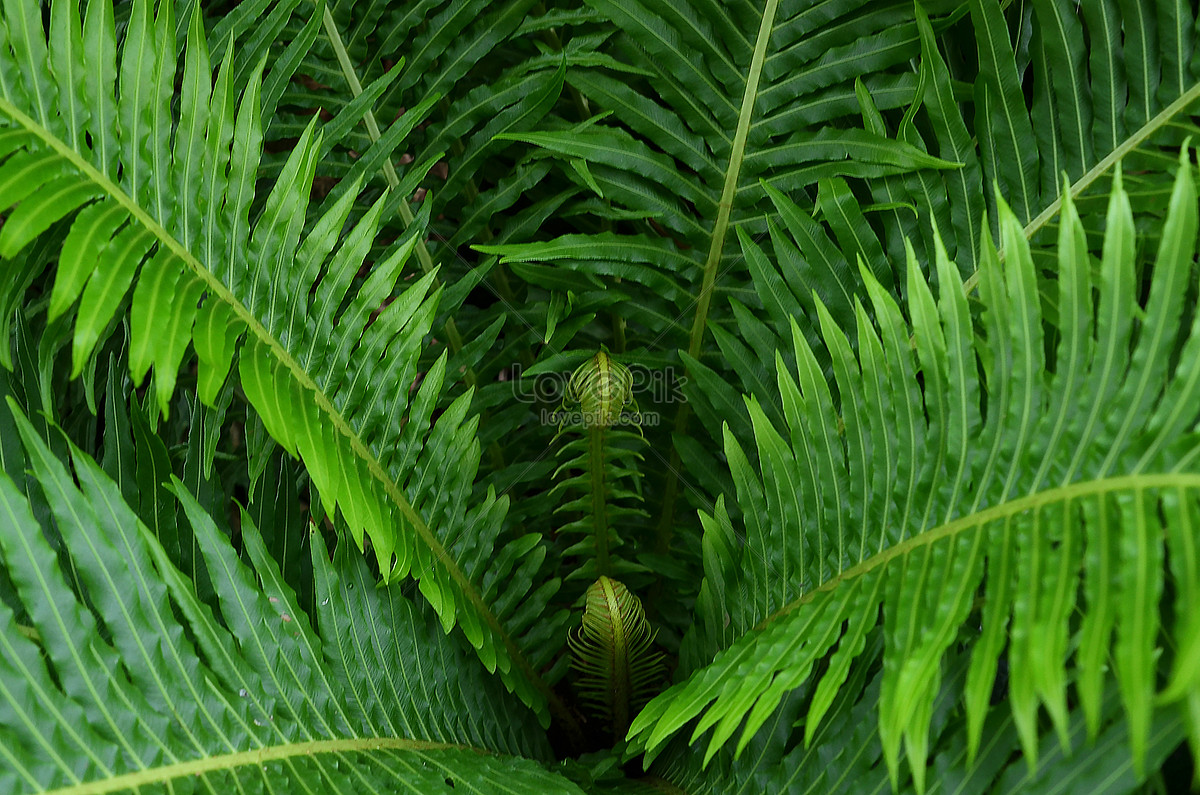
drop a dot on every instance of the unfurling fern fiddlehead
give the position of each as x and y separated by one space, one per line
611 651
618 671
603 462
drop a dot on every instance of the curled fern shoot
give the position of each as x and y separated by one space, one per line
602 462
602 387
612 651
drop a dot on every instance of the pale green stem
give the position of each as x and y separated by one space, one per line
1095 172
599 508
717 246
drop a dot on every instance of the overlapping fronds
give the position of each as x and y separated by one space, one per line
153 190
307 274
960 456
482 63
492 68
731 100
727 102
134 684
1016 94
1058 87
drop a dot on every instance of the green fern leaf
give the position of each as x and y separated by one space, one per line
140 684
603 458
247 279
1064 492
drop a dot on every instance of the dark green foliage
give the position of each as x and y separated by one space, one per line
898 301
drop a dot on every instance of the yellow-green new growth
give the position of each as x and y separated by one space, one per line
619 671
602 387
600 462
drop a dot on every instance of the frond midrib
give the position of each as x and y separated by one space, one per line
216 288
1037 500
257 757
732 176
1102 166
737 151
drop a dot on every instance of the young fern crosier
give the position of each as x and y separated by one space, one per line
603 465
611 651
618 669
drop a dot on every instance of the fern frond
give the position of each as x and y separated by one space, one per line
718 117
1111 83
326 360
618 670
845 754
135 683
1061 481
475 55
602 461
